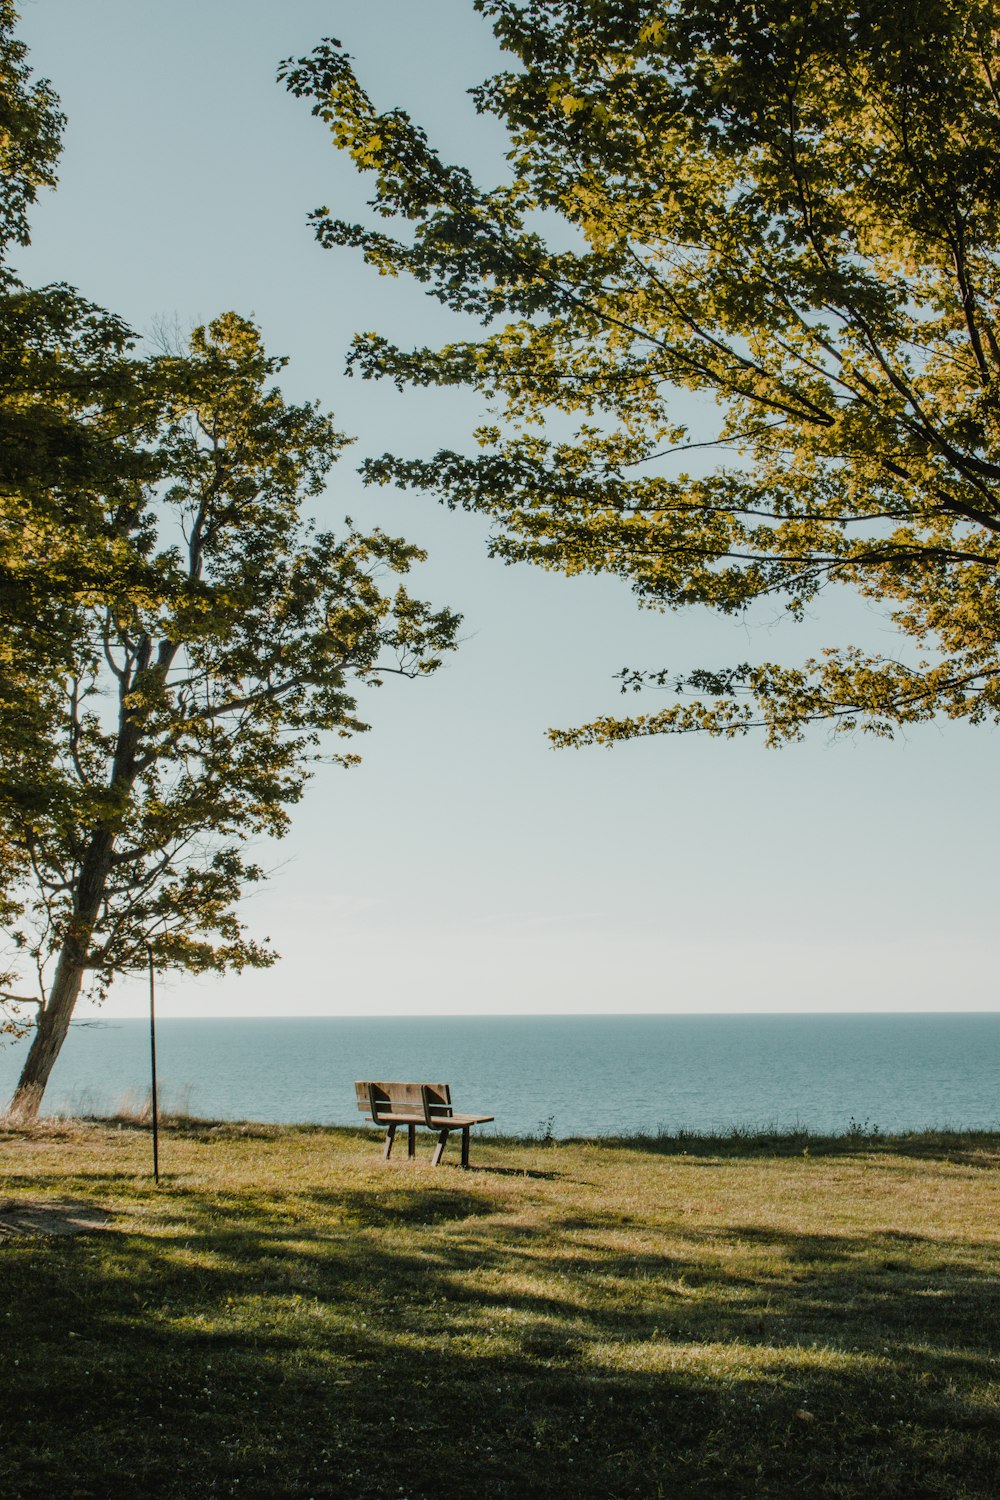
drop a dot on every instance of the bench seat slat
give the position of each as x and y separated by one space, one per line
438 1122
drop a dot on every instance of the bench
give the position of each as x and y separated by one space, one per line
413 1104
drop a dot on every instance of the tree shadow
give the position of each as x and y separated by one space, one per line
404 1339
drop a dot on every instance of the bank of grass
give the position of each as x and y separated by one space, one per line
287 1316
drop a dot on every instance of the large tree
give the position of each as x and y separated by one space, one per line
178 638
209 665
792 209
69 425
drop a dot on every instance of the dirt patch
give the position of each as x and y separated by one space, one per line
50 1216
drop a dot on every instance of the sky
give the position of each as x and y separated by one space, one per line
466 867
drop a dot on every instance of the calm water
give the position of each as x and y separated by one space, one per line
593 1074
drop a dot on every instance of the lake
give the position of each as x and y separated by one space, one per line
589 1075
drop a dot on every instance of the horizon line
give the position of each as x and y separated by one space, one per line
516 1015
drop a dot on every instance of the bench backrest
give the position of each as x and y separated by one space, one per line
432 1101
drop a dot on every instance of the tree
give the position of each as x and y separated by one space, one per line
65 379
792 209
178 639
65 406
201 687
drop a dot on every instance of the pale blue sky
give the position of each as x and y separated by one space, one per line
466 866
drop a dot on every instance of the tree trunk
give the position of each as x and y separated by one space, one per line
54 1018
53 1024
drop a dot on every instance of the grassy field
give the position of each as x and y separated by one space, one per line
288 1316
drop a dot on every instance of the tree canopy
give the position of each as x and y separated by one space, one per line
179 638
63 375
792 210
206 669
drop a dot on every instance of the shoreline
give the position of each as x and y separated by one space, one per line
735 1141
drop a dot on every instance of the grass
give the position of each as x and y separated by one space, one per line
287 1316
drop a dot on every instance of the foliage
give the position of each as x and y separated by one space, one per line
205 669
178 639
63 379
30 133
791 210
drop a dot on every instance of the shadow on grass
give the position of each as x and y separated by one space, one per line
516 1172
404 1339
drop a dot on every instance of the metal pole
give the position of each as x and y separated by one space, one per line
152 1061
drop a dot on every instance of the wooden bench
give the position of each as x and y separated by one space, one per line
413 1104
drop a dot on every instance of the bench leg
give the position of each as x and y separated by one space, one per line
390 1136
411 1141
439 1149
465 1147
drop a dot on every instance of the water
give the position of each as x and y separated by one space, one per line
592 1075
